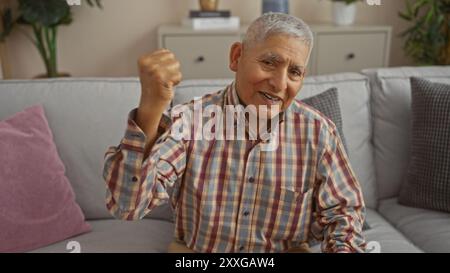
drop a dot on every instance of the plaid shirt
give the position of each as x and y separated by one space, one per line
231 196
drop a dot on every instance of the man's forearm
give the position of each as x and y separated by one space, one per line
147 118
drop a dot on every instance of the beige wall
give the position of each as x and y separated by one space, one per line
107 42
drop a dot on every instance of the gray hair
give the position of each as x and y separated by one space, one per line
278 23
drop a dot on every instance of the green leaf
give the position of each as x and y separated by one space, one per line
95 3
408 7
67 20
44 12
409 30
405 16
429 15
8 24
21 21
429 33
416 6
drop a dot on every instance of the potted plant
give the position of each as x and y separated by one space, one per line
44 17
344 12
427 40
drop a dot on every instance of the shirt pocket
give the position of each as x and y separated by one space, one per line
293 215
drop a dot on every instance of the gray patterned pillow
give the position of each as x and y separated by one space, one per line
427 182
328 104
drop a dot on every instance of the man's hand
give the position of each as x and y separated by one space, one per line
159 73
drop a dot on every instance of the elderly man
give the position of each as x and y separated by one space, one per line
233 195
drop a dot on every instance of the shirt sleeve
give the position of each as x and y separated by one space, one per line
340 208
135 186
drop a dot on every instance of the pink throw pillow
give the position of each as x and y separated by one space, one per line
37 203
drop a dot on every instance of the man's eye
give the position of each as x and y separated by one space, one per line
265 62
296 73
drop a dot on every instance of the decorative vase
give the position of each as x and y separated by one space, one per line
275 6
208 5
343 14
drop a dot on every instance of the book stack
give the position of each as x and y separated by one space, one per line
205 20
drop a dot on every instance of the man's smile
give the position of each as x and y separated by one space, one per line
269 98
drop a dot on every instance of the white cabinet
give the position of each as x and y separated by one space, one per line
349 49
202 54
205 54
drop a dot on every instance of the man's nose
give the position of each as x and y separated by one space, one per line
278 81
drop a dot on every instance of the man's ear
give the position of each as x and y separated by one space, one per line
235 54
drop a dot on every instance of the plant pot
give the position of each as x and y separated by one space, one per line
45 76
343 14
208 5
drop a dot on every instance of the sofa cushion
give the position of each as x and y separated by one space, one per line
391 111
383 233
427 182
150 235
37 203
328 104
354 102
428 229
354 98
113 236
389 238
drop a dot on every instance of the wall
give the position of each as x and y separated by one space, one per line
108 42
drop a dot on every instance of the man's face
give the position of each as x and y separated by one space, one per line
270 72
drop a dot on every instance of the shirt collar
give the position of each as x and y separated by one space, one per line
232 98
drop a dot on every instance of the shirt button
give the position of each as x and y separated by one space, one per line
251 180
134 179
241 248
246 213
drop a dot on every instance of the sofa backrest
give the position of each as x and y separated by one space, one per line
354 98
86 116
391 112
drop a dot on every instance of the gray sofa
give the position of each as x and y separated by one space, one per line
88 115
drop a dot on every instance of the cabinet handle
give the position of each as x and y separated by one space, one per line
200 59
350 56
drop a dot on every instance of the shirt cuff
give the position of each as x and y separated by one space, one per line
135 139
343 249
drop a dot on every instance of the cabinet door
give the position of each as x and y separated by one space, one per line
202 56
350 52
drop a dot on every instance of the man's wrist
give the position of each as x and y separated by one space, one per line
151 99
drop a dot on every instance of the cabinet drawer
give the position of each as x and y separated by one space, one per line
202 57
350 52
